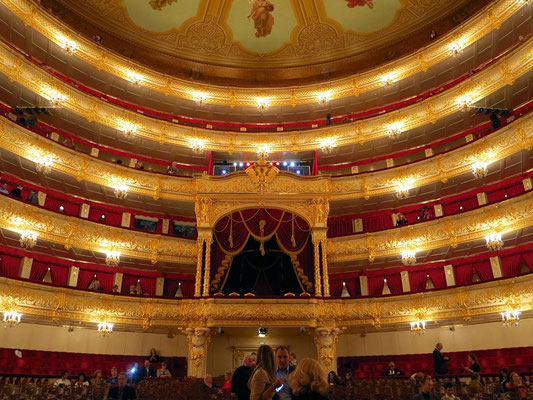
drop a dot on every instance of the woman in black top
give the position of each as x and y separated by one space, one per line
333 379
474 365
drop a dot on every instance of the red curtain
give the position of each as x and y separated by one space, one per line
464 274
375 285
484 270
335 287
377 222
148 285
10 266
511 265
85 278
315 169
394 282
59 275
438 277
417 280
106 280
38 271
528 258
338 228
354 287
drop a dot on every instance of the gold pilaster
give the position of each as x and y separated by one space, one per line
318 287
207 267
325 275
326 347
198 340
199 264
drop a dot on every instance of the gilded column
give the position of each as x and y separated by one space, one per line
207 268
326 347
199 264
318 287
198 341
325 275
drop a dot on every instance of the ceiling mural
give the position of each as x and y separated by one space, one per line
263 33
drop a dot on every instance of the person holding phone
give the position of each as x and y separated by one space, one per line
283 370
263 382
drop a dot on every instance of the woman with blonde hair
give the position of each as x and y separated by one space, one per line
309 381
263 382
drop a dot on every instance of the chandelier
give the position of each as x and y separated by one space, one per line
479 169
135 78
11 319
128 128
263 151
262 104
68 45
112 258
28 239
408 257
105 328
402 190
121 190
418 327
197 145
494 241
394 130
43 163
56 97
200 98
511 317
324 98
465 102
327 144
455 49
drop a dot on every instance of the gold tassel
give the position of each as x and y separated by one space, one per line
262 224
293 241
231 232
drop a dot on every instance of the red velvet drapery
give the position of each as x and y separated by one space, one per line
10 266
38 271
292 233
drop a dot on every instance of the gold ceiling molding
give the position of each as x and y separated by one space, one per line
460 304
439 50
76 232
507 216
479 86
509 140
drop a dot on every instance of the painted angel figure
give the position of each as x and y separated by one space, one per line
262 17
360 3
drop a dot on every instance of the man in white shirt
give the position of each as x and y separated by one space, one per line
63 381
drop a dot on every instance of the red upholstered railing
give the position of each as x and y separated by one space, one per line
518 359
513 262
11 259
382 220
51 363
99 212
263 126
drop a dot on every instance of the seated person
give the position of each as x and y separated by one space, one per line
17 192
392 370
333 379
139 165
95 285
348 380
32 197
122 391
147 371
97 378
517 386
3 188
426 390
63 381
209 385
449 392
154 357
173 169
113 379
505 378
425 214
401 220
132 289
163 372
134 373
227 381
82 380
115 289
475 385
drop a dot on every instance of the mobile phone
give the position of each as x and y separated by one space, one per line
279 388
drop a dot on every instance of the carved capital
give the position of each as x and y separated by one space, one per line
198 340
326 345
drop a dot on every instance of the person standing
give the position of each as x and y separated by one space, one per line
122 391
474 365
263 382
241 376
283 370
309 382
440 360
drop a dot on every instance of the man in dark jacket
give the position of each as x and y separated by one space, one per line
122 391
147 371
440 360
426 390
241 376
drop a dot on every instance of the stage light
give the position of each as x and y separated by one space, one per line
234 164
298 171
284 163
293 164
224 172
241 164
